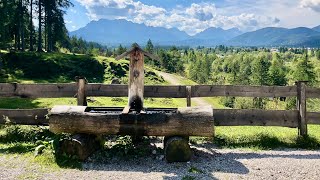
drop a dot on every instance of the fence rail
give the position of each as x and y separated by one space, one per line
156 91
223 117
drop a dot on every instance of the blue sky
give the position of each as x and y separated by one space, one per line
193 16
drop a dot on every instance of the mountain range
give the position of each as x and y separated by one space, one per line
115 32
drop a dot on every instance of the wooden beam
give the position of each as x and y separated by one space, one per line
313 117
243 91
312 92
188 91
302 108
38 90
255 117
81 95
24 116
195 121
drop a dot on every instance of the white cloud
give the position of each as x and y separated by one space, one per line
312 4
193 19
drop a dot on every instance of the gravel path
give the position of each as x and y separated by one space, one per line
172 79
209 162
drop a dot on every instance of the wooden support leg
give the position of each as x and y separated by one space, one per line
177 149
81 145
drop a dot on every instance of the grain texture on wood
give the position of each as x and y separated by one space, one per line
188 93
136 80
313 117
191 121
312 92
243 91
79 145
38 90
177 149
255 117
302 108
24 116
81 95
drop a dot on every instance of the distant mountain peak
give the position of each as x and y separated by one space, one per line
275 36
121 31
317 28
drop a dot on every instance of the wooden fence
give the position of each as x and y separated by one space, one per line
223 117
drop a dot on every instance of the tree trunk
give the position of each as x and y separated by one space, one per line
40 33
31 27
22 27
19 25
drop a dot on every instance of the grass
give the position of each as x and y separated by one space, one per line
265 138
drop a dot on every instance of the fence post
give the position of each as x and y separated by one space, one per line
302 108
81 95
188 92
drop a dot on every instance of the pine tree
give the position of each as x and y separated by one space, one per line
149 47
318 54
260 69
304 70
277 71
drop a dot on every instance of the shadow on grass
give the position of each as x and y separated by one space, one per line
266 142
18 103
19 139
15 148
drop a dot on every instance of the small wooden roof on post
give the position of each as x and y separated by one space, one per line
136 77
135 47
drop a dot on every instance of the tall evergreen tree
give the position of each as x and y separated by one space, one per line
149 47
304 70
277 71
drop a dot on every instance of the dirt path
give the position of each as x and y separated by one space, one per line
208 163
174 80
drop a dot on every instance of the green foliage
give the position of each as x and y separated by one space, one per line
304 70
318 54
171 61
149 47
195 170
278 71
243 103
260 71
120 50
266 137
53 66
228 101
200 68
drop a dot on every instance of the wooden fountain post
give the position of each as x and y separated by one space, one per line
136 78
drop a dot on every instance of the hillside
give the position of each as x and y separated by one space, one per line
273 36
317 28
63 68
58 67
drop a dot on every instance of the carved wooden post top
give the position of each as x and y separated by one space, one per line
134 49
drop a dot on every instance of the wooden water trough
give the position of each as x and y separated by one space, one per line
189 121
175 124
